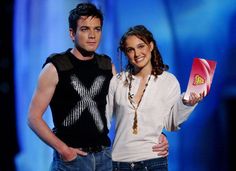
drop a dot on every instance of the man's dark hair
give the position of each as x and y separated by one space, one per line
84 9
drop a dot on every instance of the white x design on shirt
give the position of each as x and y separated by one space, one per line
86 101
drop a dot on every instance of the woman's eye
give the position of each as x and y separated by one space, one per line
141 46
128 50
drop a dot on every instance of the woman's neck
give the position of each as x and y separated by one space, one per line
143 72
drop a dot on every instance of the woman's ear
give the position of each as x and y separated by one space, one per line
151 45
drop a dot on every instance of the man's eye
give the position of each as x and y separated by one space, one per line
98 29
83 29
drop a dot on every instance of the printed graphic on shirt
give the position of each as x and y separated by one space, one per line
86 101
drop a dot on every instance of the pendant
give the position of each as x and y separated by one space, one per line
135 124
135 131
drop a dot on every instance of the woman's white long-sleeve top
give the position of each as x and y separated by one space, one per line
161 107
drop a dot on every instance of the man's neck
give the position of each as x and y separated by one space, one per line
81 54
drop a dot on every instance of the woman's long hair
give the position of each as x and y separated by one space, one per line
146 36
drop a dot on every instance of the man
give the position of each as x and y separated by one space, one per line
75 84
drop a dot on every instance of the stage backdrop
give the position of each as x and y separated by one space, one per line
183 30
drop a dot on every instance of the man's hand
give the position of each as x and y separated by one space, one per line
162 146
71 153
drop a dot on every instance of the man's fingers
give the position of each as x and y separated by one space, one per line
163 154
156 148
81 153
162 145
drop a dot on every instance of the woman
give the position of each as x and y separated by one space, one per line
144 99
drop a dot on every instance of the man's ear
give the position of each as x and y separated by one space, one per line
72 34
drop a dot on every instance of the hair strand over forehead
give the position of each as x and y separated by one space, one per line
84 9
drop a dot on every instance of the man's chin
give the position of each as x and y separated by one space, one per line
86 52
91 49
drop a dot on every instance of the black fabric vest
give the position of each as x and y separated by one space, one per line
79 100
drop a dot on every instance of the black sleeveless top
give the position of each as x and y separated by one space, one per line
79 100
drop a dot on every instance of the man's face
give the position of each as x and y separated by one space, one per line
88 33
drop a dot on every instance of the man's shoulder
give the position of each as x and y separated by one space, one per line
103 57
60 60
104 61
58 56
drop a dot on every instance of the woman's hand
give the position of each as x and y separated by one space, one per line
193 99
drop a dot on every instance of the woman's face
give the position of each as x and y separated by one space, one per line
138 52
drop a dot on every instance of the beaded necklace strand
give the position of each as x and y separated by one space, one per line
130 97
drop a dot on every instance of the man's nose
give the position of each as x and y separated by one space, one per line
91 34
